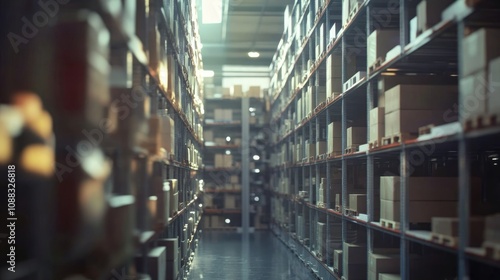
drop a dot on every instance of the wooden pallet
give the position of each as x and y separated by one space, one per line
425 129
321 157
481 121
389 224
378 62
350 212
492 250
321 205
374 144
338 208
353 12
444 239
352 149
397 138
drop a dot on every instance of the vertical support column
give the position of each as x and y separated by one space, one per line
245 160
403 23
404 224
463 179
344 197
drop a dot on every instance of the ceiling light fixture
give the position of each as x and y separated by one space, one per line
253 54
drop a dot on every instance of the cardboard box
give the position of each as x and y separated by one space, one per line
357 202
237 90
354 254
449 227
234 179
229 201
479 48
409 121
420 97
208 135
334 137
337 260
219 115
420 211
320 147
346 8
420 188
429 13
356 136
226 92
254 91
473 95
172 185
379 42
381 263
377 115
172 245
155 263
356 272
493 89
377 131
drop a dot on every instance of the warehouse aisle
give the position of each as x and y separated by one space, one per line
224 255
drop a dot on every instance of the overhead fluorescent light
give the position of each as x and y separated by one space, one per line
211 11
208 73
253 54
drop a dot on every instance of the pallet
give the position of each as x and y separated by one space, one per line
425 129
321 157
353 12
397 138
374 144
338 208
492 250
378 62
444 239
350 212
389 224
321 205
481 121
352 149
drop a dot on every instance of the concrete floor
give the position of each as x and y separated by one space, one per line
227 255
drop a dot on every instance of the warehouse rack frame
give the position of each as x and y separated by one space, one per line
297 65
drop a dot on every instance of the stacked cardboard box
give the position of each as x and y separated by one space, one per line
429 13
479 83
334 137
408 107
428 196
383 261
237 91
254 91
379 43
223 161
223 115
448 227
229 201
320 200
321 240
356 136
356 261
208 135
333 75
377 124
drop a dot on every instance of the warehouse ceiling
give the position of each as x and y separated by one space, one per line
246 25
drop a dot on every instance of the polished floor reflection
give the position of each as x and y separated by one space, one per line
227 255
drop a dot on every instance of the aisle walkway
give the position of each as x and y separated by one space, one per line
225 256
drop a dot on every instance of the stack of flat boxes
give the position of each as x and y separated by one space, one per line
355 261
320 200
409 107
229 201
333 75
428 196
321 240
254 91
334 137
480 80
237 91
320 93
357 202
337 261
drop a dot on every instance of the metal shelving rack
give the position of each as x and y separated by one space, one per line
135 169
240 127
295 67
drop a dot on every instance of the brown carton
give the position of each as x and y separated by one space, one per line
420 97
478 49
357 202
420 211
449 227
